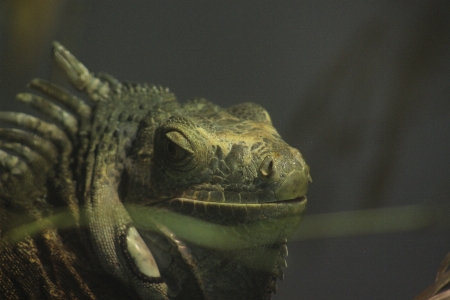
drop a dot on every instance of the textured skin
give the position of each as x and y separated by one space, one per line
213 194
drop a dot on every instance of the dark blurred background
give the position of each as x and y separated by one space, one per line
361 88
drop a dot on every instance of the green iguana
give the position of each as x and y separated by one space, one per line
131 195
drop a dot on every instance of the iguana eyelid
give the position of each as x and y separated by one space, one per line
180 140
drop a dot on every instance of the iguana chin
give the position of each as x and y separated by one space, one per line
135 195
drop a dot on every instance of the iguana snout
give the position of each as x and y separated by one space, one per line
289 172
294 186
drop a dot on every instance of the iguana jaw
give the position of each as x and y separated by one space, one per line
187 218
179 204
235 213
301 199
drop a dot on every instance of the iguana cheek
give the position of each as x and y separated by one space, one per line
140 254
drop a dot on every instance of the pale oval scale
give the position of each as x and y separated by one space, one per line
140 254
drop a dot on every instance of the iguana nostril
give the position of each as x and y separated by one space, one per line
266 167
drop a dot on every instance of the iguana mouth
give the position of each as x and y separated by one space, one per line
197 202
233 201
229 213
298 199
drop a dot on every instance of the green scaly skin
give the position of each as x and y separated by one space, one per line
133 195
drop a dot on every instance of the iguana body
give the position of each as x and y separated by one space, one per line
133 195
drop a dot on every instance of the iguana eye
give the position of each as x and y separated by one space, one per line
175 152
177 146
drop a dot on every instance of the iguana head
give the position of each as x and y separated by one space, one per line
206 153
227 167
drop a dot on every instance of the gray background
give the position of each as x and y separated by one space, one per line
361 88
